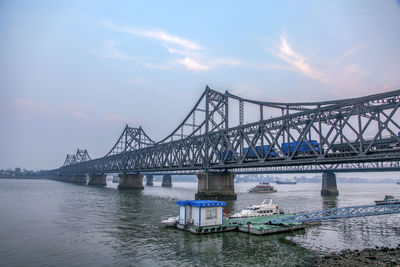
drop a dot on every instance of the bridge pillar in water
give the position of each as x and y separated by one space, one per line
149 179
97 179
166 180
130 181
77 179
329 187
216 186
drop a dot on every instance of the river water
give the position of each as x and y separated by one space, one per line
50 223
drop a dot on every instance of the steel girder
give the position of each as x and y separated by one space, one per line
353 134
131 139
81 155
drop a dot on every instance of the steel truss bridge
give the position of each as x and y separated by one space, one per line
226 132
339 213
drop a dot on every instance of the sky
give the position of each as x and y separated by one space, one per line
73 73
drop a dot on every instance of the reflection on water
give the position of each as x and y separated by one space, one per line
329 202
56 223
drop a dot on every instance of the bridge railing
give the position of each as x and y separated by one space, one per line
338 213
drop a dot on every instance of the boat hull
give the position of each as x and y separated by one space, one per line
281 182
170 222
263 191
381 202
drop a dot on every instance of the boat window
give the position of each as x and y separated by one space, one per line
211 214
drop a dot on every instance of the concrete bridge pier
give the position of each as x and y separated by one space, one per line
166 180
77 179
329 187
130 181
97 179
149 179
65 178
216 186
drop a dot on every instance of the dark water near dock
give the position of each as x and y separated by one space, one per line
48 223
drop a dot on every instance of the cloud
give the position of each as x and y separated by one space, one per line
158 35
186 53
163 37
192 64
196 61
353 50
298 61
338 72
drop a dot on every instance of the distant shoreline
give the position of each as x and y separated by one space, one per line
22 177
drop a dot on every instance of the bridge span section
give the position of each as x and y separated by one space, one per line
225 134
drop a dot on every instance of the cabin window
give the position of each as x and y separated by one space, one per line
211 214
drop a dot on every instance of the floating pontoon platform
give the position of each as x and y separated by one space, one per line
269 224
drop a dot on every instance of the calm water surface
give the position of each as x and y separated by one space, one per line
47 223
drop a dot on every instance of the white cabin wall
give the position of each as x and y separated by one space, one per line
195 215
182 215
188 213
210 222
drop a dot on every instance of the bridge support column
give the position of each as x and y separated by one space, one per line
77 179
149 179
67 178
130 181
329 187
216 186
166 180
97 179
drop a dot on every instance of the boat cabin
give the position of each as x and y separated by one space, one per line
201 212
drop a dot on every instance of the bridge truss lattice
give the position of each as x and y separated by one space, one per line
227 132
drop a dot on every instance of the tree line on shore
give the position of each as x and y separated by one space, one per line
21 173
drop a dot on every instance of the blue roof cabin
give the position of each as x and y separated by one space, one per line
201 212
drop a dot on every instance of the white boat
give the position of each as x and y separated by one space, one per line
170 221
265 209
263 188
388 200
